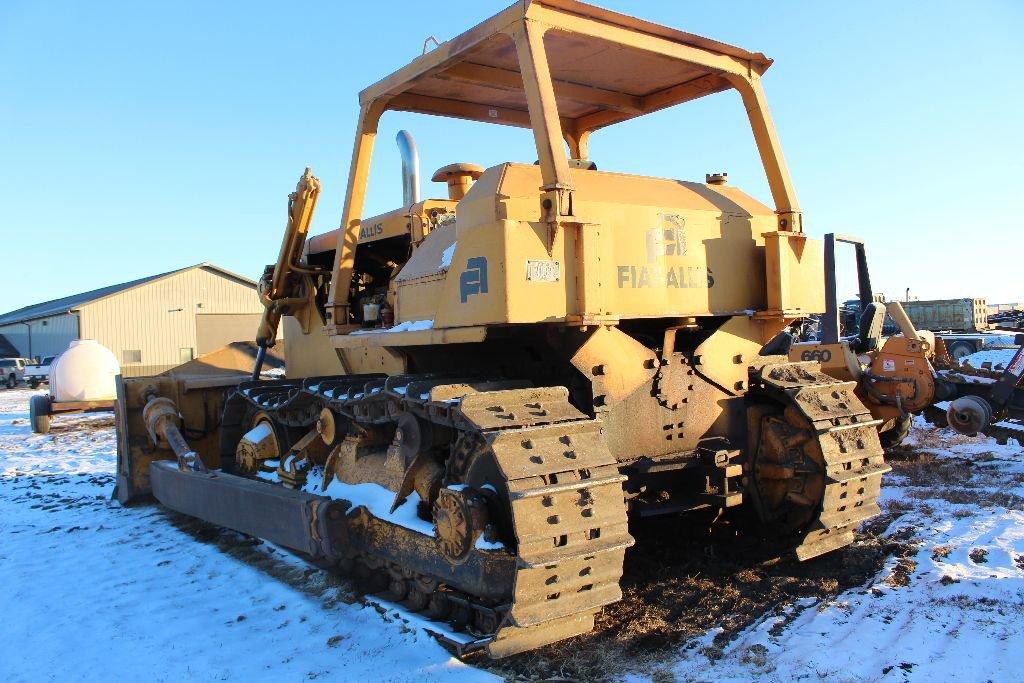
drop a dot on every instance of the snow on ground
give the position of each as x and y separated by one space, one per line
953 610
95 591
92 590
997 359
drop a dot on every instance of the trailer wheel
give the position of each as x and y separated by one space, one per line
959 350
39 413
12 381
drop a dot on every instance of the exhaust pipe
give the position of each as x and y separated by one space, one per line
410 168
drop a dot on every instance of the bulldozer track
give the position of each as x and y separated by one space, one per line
562 487
852 457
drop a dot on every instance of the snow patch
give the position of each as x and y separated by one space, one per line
376 499
407 326
999 358
130 587
447 255
259 432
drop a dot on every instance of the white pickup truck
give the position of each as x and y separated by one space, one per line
12 371
37 373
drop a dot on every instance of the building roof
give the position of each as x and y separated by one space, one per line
70 303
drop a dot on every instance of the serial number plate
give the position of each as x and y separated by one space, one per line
543 271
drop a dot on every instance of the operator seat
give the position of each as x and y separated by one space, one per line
869 336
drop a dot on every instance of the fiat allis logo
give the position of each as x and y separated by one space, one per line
668 240
665 241
473 280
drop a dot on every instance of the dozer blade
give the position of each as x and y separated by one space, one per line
293 519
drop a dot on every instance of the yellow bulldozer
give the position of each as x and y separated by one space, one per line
483 389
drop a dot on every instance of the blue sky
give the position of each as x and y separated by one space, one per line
140 137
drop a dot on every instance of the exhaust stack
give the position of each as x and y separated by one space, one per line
410 168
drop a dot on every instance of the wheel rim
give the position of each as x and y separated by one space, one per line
959 352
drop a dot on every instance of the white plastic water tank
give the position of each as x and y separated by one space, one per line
85 372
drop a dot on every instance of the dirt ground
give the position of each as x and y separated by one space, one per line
676 588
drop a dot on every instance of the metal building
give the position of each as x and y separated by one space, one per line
150 324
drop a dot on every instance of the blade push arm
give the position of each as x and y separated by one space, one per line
281 289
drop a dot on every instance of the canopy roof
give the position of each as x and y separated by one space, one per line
606 67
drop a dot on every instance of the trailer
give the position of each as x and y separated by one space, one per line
42 407
948 315
963 325
988 399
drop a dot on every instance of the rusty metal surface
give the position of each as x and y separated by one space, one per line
559 482
567 511
201 411
79 406
518 408
485 575
274 513
825 461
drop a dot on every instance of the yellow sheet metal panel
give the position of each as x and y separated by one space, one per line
475 290
401 221
421 280
374 339
796 271
655 248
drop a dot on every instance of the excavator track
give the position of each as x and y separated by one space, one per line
828 457
559 484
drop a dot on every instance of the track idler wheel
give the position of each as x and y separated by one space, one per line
969 415
788 472
460 517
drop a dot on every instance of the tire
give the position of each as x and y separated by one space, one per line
39 413
895 435
33 383
12 381
959 350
